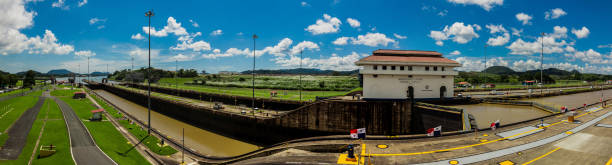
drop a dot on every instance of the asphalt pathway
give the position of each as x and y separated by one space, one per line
84 149
18 133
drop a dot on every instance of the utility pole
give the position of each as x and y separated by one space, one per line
485 65
149 14
542 63
175 74
88 73
253 71
301 75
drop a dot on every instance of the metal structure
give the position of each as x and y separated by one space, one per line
541 64
301 70
149 14
253 71
485 65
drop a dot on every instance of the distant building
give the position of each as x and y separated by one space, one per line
402 74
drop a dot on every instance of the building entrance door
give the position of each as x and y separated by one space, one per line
442 92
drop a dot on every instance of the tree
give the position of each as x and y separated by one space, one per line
203 71
29 79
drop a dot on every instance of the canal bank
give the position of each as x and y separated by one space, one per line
197 139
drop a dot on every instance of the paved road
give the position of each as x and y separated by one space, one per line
83 147
18 133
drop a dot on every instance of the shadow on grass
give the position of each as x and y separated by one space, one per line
132 148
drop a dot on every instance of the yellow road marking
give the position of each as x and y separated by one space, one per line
453 162
363 149
477 144
540 157
609 162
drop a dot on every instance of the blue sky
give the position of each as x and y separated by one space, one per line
216 35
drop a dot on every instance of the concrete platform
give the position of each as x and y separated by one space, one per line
519 133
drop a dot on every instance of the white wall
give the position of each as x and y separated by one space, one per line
395 86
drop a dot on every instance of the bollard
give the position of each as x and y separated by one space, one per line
351 154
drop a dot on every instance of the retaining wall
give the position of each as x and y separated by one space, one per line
328 117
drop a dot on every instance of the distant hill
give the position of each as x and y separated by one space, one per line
303 71
552 71
99 73
500 70
59 72
36 73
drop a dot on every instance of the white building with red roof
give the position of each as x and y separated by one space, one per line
401 74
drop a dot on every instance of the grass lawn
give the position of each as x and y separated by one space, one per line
11 110
262 93
24 157
311 82
108 138
13 92
151 142
55 133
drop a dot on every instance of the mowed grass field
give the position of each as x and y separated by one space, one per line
55 133
134 129
106 136
286 82
12 109
21 104
260 93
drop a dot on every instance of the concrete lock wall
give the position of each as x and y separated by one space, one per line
330 117
273 104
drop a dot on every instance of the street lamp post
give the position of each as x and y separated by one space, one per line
542 63
253 71
149 14
301 75
485 65
88 73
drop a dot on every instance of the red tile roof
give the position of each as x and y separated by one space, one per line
97 110
383 52
408 59
387 55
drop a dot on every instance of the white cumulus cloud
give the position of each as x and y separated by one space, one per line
581 33
353 22
84 53
456 52
458 32
401 37
524 18
554 13
372 39
341 41
137 36
326 25
172 27
485 4
216 32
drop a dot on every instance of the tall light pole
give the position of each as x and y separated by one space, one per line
149 14
175 74
88 73
253 71
541 64
485 65
301 75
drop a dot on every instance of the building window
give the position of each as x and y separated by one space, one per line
427 68
410 68
375 67
442 68
401 67
409 76
384 67
443 76
435 68
375 75
392 67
